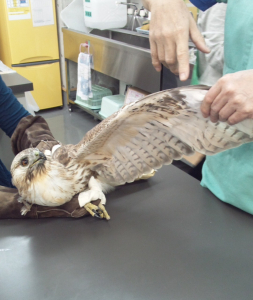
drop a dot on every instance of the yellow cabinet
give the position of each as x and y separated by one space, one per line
29 45
21 42
46 83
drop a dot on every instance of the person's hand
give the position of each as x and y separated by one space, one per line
170 27
230 99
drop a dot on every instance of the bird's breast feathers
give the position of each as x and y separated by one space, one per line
56 185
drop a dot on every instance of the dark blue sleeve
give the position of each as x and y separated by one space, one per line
5 176
11 111
203 4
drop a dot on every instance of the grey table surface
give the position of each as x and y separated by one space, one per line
17 83
168 238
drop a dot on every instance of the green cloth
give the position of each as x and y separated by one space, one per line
195 71
229 175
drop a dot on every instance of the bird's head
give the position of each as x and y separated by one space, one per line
27 166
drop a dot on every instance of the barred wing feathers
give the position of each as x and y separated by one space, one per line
154 131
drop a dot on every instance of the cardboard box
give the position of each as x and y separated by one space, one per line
133 94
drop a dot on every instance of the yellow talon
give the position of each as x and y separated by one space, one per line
90 207
97 211
105 213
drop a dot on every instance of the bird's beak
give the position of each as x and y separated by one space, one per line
42 155
38 156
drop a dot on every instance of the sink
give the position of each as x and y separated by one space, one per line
133 22
124 36
128 34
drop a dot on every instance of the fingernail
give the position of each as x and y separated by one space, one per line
183 76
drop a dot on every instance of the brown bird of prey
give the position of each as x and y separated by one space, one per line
140 137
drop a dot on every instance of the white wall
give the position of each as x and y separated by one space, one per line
136 1
60 5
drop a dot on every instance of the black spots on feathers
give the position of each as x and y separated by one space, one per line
35 172
77 167
142 134
64 159
78 180
219 140
29 177
225 129
175 100
235 132
173 112
190 111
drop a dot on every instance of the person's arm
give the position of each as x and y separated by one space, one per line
11 111
171 26
230 99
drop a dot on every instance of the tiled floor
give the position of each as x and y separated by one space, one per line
68 127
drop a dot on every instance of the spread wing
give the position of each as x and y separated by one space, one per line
154 131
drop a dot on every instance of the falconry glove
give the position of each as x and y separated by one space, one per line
10 207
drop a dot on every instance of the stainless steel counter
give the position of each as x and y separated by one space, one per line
168 238
122 54
114 55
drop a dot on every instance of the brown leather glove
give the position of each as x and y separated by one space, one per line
29 133
10 207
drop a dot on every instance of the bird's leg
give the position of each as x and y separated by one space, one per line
94 193
27 207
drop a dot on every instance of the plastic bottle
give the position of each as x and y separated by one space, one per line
104 14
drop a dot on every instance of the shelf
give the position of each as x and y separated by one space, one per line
93 112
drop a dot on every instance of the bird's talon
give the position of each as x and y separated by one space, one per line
97 211
105 213
98 216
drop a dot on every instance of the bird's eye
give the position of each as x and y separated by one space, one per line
24 162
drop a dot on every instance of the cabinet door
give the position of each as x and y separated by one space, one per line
46 83
29 43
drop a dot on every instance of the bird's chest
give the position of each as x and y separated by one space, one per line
59 186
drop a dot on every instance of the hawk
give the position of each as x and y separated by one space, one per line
139 138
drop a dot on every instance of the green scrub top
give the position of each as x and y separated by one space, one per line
229 175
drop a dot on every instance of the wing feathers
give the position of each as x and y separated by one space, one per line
154 131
